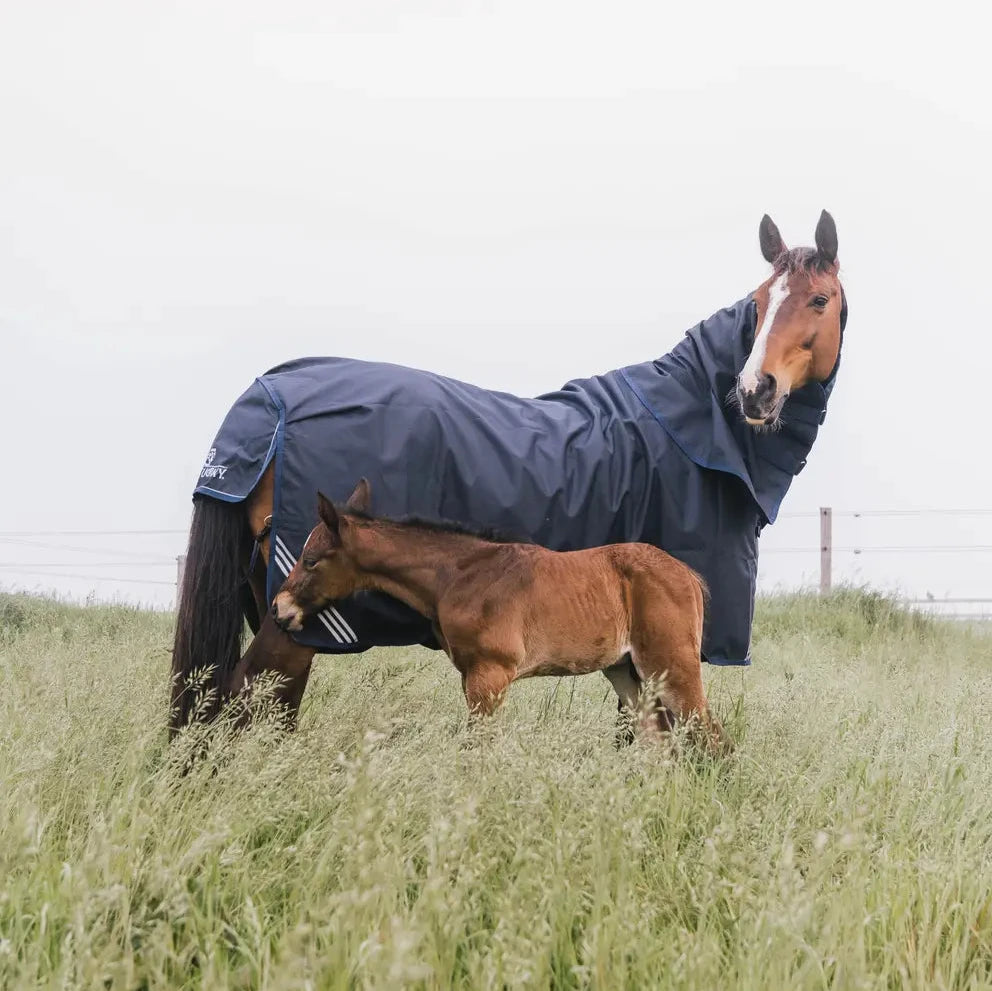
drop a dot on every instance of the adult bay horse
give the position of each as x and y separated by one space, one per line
692 452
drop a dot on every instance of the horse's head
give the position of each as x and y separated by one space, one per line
325 571
797 336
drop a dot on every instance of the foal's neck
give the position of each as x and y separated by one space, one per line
411 563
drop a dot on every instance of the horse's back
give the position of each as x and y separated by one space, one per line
585 466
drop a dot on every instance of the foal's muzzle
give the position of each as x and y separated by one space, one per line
287 614
761 404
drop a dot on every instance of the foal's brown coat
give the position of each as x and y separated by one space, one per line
504 611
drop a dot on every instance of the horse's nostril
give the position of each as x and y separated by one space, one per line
767 385
275 610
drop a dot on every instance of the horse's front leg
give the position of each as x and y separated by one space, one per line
273 650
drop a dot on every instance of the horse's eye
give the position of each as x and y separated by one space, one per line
820 301
309 562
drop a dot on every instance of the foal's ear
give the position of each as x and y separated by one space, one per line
826 238
770 240
328 514
361 499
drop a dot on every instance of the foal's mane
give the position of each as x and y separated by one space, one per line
490 535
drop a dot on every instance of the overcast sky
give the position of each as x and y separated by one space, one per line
510 193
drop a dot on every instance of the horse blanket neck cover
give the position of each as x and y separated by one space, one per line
653 452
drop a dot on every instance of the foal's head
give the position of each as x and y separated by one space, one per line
325 571
797 338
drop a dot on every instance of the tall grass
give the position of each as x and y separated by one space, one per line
846 844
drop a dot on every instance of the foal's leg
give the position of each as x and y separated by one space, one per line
623 677
679 672
276 651
666 637
666 647
627 685
485 681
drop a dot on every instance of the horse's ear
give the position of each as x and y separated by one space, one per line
361 499
770 240
826 238
328 514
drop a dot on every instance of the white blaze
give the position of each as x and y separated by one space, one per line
778 292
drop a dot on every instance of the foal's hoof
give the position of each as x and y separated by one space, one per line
624 735
721 744
625 727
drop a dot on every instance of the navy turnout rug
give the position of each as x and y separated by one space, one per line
653 452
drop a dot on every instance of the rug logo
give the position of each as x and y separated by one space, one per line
209 469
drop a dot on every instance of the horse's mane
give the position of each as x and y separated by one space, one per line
489 534
803 261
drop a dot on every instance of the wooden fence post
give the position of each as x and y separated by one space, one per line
826 548
180 571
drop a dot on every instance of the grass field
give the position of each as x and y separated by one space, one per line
846 844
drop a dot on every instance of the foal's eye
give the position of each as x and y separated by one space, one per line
309 562
820 301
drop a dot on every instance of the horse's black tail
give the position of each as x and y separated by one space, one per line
210 619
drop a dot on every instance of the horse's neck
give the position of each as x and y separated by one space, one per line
408 564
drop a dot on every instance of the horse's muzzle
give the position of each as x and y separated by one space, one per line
760 405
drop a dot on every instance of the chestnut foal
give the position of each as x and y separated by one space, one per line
504 611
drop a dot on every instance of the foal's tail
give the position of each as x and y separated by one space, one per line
718 740
210 619
702 591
